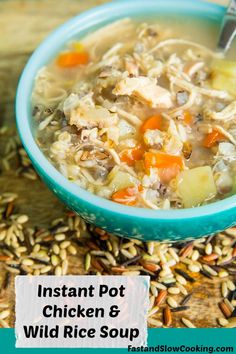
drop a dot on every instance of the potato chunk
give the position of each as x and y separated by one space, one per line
224 75
122 180
196 186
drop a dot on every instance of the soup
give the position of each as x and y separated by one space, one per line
142 114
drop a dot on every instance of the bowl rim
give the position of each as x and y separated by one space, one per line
23 112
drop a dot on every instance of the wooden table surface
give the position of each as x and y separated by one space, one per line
23 25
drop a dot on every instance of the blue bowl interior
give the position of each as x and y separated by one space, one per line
78 27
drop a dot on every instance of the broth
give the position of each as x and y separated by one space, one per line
142 113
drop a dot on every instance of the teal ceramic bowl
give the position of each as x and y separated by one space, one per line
144 224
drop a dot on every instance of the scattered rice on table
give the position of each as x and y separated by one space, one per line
173 268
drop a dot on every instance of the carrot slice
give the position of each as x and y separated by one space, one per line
212 138
154 122
129 156
72 59
126 196
168 173
187 118
161 160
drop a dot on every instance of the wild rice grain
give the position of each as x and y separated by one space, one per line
195 255
222 321
167 316
229 305
226 242
153 311
2 235
173 290
230 285
234 252
131 261
154 290
186 251
87 262
56 249
65 244
152 267
72 250
209 270
185 275
150 247
151 302
171 302
224 289
168 281
225 309
174 254
131 273
161 297
54 260
223 274
27 262
210 257
154 322
64 267
194 268
3 306
58 271
36 248
232 323
63 254
186 299
181 279
225 260
165 273
158 285
180 308
45 269
110 258
187 323
182 289
217 250
233 303
22 219
12 270
97 253
127 254
60 237
208 249
4 324
206 274
127 245
4 314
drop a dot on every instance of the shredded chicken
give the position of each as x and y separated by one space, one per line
146 90
204 91
176 41
225 133
192 67
226 114
90 117
130 117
